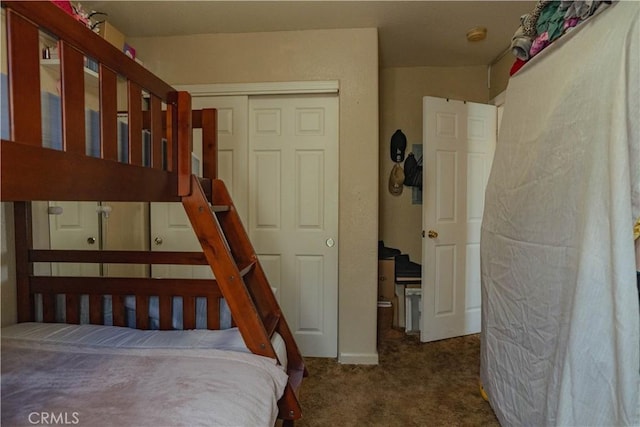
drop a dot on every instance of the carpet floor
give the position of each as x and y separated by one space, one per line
415 384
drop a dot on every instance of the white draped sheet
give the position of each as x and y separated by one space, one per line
560 312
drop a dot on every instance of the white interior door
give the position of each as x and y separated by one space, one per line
74 225
170 226
83 225
459 141
171 231
125 226
232 145
293 215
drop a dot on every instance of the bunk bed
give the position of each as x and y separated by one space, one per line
111 374
560 342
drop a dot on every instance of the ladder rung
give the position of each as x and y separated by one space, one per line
247 269
271 323
220 208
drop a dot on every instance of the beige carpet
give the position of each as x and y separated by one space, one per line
415 384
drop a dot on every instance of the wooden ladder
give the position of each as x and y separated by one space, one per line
242 282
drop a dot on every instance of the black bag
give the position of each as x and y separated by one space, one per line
413 171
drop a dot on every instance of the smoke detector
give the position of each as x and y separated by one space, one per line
476 34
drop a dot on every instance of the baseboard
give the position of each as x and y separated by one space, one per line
358 358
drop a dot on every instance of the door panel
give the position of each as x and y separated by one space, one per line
125 227
286 191
170 226
74 225
268 203
171 231
232 145
459 141
293 176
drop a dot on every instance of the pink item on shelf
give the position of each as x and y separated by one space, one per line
64 5
130 51
570 23
539 43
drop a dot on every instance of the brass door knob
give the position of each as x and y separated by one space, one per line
432 234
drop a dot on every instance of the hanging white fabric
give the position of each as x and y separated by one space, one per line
560 339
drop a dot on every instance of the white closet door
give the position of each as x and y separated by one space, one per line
74 225
170 226
293 213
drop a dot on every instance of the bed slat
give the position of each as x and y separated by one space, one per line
49 308
142 312
119 314
72 309
156 128
24 85
108 113
209 143
23 243
96 309
181 131
73 105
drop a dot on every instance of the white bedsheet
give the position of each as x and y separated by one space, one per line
120 386
560 325
120 337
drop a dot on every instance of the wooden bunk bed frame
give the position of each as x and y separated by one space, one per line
31 172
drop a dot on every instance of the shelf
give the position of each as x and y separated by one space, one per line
53 65
92 78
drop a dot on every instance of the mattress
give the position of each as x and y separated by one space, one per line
560 313
98 336
86 375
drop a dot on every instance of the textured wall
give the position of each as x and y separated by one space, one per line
350 56
401 92
500 75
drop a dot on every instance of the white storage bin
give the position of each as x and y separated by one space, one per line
412 309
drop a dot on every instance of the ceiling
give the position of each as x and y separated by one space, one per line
411 33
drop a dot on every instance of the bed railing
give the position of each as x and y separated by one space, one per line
38 294
166 177
32 172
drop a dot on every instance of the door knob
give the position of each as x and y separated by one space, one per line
330 242
432 234
157 240
91 240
